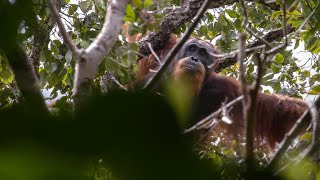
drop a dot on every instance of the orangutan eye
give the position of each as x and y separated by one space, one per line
203 52
192 47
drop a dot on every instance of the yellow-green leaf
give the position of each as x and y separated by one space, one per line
279 58
147 3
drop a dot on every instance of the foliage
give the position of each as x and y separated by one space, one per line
115 121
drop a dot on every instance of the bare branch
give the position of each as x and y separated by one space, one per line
307 19
208 121
242 70
248 115
41 38
118 83
66 38
284 28
235 52
293 5
90 58
151 82
180 16
271 36
225 114
154 54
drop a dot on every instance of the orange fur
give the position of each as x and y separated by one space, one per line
275 116
180 73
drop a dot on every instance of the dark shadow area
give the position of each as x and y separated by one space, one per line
136 135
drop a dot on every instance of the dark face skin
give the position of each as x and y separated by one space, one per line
198 54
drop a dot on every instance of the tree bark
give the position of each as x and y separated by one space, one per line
90 58
41 39
26 78
270 37
177 17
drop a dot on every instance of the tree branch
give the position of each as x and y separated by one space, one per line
66 38
87 65
41 38
87 60
245 25
12 15
26 78
271 36
177 17
248 106
208 121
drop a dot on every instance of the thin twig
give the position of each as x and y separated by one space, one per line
241 58
209 119
225 113
118 83
245 25
293 4
234 52
73 48
307 19
284 28
135 52
248 115
154 53
152 81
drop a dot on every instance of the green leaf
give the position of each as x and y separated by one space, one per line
268 76
137 3
218 27
57 42
276 14
278 58
232 13
6 76
72 9
316 48
53 67
295 22
311 43
59 56
84 6
237 24
306 73
296 44
222 21
315 90
68 56
147 3
84 44
54 48
53 80
130 15
306 137
275 68
43 57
